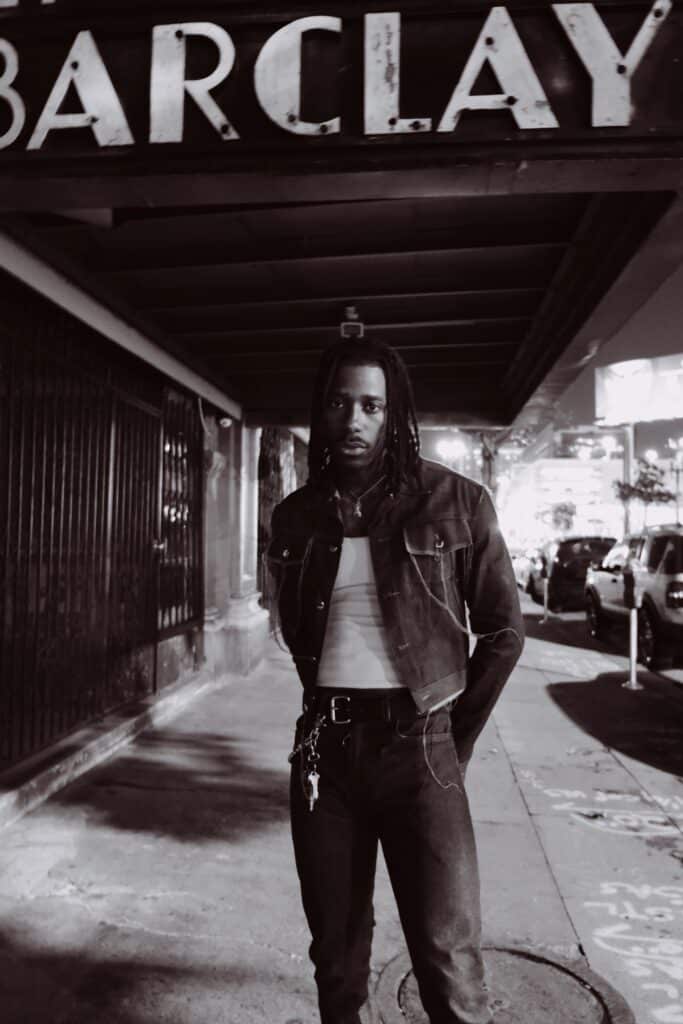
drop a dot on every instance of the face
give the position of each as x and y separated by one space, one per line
355 415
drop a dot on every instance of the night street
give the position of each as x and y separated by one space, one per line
161 887
325 335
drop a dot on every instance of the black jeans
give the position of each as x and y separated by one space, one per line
400 784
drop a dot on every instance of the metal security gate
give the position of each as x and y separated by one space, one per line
132 570
181 584
79 507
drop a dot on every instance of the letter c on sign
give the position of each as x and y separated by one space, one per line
277 77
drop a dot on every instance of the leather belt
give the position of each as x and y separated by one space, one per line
345 708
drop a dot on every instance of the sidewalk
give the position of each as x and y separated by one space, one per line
161 887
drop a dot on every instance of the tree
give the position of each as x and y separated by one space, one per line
648 487
563 515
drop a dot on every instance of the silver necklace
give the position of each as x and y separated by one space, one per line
357 498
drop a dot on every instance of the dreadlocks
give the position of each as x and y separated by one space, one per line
402 444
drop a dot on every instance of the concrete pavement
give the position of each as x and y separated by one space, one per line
161 888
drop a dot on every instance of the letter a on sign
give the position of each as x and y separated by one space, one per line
102 110
499 45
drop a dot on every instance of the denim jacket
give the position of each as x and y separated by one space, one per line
436 551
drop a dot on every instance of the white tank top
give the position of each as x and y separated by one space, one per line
355 651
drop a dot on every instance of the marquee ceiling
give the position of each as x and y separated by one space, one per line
481 295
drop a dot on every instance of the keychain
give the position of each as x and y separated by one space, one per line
308 748
312 788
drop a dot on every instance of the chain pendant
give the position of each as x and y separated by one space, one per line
312 780
357 510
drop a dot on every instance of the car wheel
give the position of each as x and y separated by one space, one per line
594 618
651 652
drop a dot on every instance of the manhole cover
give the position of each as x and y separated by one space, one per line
523 987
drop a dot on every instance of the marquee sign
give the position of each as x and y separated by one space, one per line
79 78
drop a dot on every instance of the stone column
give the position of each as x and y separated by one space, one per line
247 623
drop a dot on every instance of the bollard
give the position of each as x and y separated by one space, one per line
633 600
546 585
632 681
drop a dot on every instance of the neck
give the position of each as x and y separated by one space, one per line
357 480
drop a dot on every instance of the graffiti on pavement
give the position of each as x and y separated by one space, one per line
645 930
665 818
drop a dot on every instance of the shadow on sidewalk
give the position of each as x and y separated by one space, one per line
573 633
39 986
646 725
189 787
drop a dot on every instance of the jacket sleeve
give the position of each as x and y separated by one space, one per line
495 615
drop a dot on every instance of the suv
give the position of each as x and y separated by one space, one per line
565 561
656 557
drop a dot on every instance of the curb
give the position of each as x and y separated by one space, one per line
32 782
390 983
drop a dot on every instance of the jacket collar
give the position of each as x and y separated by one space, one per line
392 510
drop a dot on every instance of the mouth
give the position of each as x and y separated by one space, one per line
352 445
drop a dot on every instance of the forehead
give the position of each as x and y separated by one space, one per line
360 379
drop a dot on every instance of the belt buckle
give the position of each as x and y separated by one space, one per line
334 710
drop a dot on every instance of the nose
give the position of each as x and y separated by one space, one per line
353 415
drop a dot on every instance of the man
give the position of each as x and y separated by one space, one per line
377 561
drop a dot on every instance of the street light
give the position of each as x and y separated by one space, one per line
451 449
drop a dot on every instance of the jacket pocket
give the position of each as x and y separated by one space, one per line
440 547
438 552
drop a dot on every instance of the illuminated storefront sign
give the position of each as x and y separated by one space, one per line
559 72
640 390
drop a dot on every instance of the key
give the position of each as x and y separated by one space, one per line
312 781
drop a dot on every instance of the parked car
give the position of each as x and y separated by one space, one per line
522 562
566 562
656 557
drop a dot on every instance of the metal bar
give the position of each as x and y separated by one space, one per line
90 511
57 512
81 567
103 421
74 673
19 624
6 696
108 546
40 637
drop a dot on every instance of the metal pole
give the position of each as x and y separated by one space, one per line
545 599
629 448
632 682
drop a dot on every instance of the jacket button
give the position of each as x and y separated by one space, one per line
285 552
334 548
320 605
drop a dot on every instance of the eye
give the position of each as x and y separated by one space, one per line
335 402
372 407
